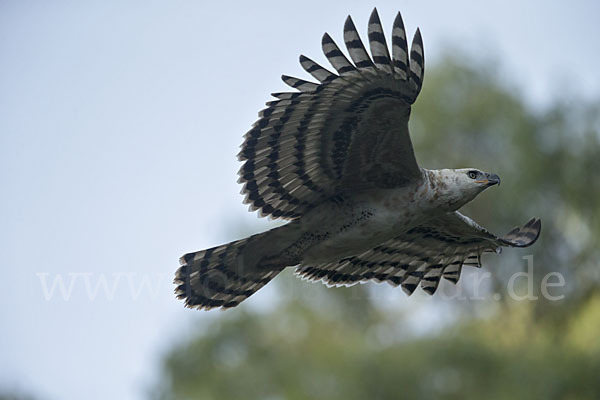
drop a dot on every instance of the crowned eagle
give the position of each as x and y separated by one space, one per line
335 159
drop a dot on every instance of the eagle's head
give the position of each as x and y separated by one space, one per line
457 187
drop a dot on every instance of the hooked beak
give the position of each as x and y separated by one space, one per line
490 180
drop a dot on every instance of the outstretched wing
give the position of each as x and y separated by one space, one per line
423 254
349 132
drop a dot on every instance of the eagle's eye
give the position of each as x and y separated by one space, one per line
472 174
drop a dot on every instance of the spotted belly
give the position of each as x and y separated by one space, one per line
350 235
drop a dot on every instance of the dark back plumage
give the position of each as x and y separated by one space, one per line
309 145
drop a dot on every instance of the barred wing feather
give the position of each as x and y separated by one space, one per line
349 131
423 255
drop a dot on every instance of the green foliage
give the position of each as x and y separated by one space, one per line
548 163
347 344
301 352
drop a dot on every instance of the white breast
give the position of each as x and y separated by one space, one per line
364 222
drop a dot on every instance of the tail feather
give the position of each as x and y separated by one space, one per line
226 275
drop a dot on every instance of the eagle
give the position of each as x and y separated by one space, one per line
335 159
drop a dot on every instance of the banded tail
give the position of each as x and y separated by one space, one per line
226 275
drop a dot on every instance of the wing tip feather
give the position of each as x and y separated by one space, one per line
374 17
526 235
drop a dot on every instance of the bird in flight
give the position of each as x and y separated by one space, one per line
334 157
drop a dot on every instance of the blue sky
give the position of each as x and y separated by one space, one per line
119 126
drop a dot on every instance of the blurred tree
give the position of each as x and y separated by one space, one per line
347 343
14 396
548 161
